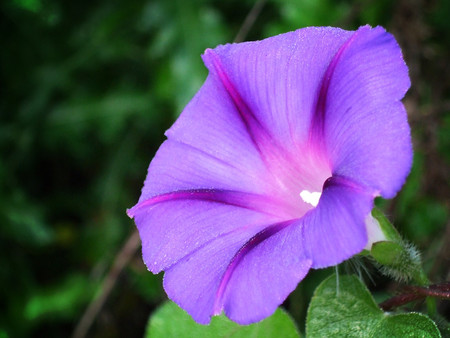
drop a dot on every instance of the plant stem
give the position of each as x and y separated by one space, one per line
413 293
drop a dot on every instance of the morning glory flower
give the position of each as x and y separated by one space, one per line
271 170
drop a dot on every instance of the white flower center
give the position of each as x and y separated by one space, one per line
310 197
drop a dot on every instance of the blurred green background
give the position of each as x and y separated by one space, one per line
87 90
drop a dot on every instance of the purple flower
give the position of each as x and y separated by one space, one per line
230 208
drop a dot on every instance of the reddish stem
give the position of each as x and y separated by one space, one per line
413 293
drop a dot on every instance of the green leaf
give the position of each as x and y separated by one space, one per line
345 307
407 325
171 321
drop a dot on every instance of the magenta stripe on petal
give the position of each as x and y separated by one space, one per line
318 120
245 249
260 203
256 130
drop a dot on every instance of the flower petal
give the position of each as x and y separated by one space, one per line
179 166
365 125
193 282
264 272
221 210
207 147
174 225
277 79
335 230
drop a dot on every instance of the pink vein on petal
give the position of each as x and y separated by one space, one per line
256 130
240 199
318 120
245 249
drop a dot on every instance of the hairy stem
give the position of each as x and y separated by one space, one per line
412 293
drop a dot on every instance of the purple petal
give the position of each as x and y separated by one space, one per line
221 210
176 224
365 127
193 282
335 230
263 273
208 147
275 81
180 166
257 100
